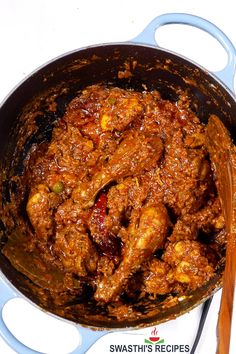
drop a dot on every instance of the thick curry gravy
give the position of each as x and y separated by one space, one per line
120 206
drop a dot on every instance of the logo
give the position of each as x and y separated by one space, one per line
152 344
154 339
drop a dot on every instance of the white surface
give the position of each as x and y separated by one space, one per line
33 32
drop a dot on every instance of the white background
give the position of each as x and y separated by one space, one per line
35 31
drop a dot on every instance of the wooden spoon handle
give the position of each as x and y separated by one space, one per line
229 278
223 157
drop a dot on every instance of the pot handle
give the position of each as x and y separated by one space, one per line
87 336
6 294
147 36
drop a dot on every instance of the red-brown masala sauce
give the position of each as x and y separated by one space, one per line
120 205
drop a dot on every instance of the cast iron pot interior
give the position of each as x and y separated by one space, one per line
60 81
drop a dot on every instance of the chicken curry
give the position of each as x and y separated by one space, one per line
123 198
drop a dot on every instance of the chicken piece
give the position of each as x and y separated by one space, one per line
85 108
40 209
184 230
109 211
65 159
144 240
195 140
155 278
186 176
189 262
75 250
208 219
105 266
119 109
68 212
135 154
130 193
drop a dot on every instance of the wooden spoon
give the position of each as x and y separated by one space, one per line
223 157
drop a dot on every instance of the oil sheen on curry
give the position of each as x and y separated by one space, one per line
122 201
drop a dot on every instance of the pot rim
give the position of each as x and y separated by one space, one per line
118 44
